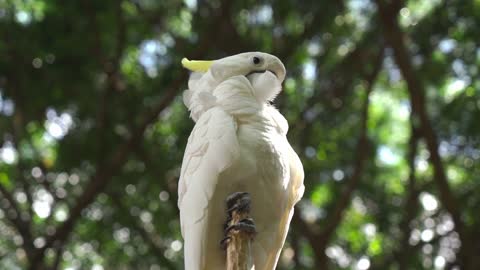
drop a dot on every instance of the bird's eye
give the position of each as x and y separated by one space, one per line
256 60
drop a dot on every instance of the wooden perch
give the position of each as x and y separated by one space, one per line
239 232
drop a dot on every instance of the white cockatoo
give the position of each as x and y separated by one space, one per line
238 143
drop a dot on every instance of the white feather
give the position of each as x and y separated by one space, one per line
211 148
266 85
238 144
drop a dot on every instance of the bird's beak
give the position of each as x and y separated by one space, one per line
278 68
198 66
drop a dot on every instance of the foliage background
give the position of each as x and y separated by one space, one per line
381 96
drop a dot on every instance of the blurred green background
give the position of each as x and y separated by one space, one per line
382 98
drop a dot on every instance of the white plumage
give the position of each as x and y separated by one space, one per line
238 144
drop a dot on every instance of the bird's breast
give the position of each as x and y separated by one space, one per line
265 147
262 169
262 165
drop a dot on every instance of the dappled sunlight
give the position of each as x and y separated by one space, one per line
370 230
122 235
150 51
192 4
311 213
309 70
315 48
164 196
416 11
339 255
338 175
176 246
360 11
381 97
42 203
429 202
387 156
61 213
260 15
57 125
447 45
427 235
7 107
23 17
363 263
8 154
454 89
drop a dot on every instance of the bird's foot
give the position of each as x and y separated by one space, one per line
224 242
238 201
245 225
238 224
227 223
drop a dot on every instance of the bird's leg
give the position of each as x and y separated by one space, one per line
236 201
238 222
239 232
247 226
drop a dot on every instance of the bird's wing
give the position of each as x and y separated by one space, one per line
295 192
212 147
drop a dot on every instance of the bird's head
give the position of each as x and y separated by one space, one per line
264 71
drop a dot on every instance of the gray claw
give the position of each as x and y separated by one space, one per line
235 197
247 225
224 242
239 201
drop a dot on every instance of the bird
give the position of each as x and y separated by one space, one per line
238 143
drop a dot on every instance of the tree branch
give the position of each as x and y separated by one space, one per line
411 203
296 248
15 85
312 236
319 240
335 217
23 227
105 173
58 258
339 87
239 240
107 170
147 237
395 38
